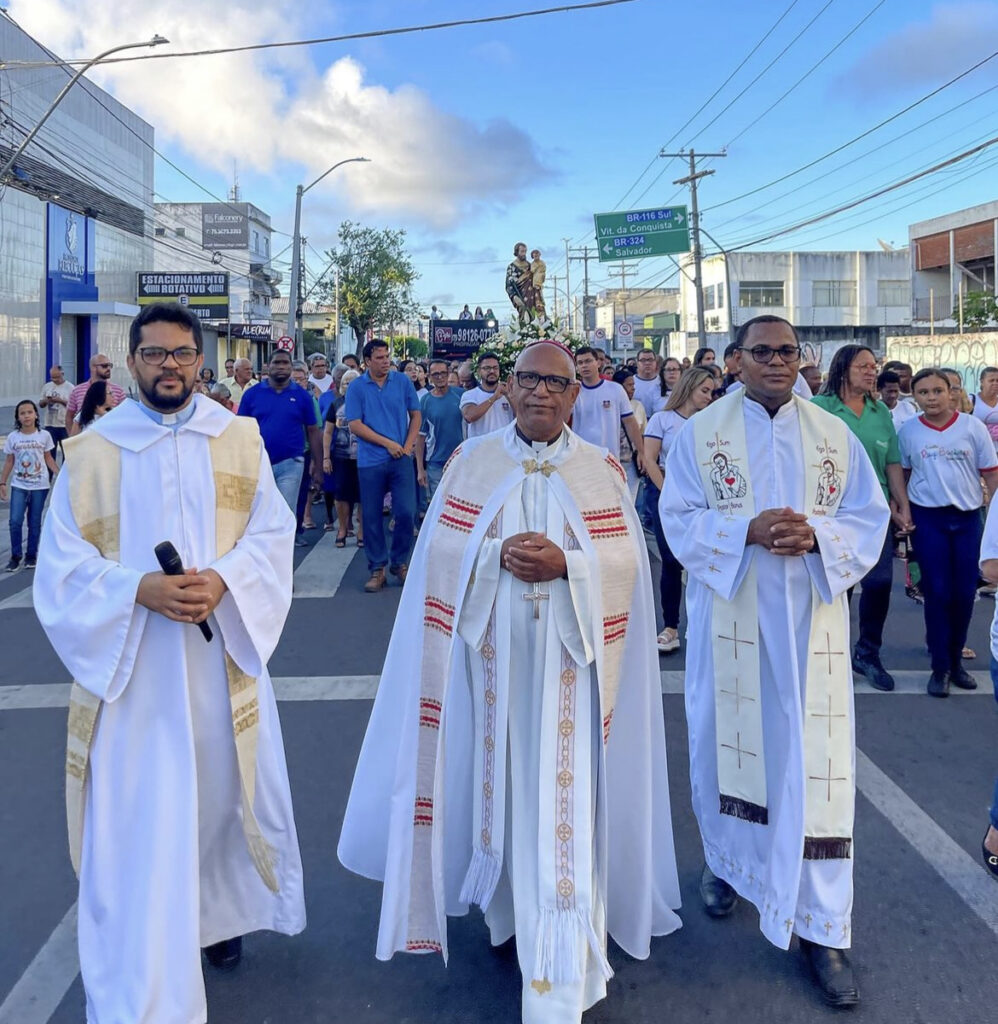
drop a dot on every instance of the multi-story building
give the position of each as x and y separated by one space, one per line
75 222
831 297
621 315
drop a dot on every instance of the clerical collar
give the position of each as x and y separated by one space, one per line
173 420
539 446
772 413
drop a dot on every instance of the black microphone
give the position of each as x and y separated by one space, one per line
169 562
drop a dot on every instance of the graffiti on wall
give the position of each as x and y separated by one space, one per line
967 353
819 353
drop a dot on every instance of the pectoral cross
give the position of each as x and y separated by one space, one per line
739 750
828 779
829 653
536 595
735 641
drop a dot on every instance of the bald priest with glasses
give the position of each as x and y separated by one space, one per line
515 757
774 509
180 821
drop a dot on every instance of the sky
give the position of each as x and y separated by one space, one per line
481 136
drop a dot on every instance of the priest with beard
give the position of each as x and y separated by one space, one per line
179 809
771 543
515 756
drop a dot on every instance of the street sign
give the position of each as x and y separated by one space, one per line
206 295
638 233
599 334
624 329
285 343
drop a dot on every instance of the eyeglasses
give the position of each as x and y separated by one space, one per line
764 354
103 366
153 355
440 373
529 380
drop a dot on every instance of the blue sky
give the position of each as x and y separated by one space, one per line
481 136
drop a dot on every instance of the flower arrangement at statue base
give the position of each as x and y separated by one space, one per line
514 337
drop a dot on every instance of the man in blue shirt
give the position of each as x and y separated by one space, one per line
286 415
383 412
442 429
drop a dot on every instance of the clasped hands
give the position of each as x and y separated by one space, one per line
191 597
532 558
782 531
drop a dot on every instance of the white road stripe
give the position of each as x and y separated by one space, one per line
292 688
41 988
22 599
322 569
965 875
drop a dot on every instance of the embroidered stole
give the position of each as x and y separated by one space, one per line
722 453
94 465
565 869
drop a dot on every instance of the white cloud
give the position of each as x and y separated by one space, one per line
268 109
928 52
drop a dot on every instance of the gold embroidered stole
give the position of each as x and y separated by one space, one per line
467 486
94 466
722 454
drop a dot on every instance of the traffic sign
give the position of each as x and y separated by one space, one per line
599 334
624 329
286 344
638 233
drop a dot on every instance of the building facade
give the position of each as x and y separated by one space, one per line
75 222
831 297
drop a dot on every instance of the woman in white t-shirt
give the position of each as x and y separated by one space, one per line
945 454
693 392
986 402
29 459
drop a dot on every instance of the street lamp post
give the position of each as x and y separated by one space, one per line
156 40
295 283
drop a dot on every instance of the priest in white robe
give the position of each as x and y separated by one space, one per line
180 819
515 756
768 681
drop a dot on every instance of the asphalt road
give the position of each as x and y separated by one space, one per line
926 915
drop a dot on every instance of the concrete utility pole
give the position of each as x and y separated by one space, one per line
622 271
691 180
568 285
587 255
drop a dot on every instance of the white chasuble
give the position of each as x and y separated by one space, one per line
168 861
774 815
537 773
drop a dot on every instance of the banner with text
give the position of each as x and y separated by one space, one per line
205 295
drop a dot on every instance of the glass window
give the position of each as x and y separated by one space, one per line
181 232
160 232
760 293
708 297
720 296
833 293
893 293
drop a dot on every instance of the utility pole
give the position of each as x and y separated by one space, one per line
587 255
691 180
554 291
622 271
568 285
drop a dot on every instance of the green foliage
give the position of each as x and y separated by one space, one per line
313 341
979 309
376 278
409 347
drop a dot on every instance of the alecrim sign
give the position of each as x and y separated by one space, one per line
634 234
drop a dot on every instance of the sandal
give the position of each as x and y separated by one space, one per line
968 654
341 542
329 527
360 542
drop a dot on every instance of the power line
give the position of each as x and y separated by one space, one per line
373 34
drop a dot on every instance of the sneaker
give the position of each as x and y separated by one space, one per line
668 640
915 594
14 563
873 670
376 582
30 563
400 572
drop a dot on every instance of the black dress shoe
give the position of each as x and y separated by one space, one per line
718 897
225 955
832 973
874 672
963 679
990 859
938 685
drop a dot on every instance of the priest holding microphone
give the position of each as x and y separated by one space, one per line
179 810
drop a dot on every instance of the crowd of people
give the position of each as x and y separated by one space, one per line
521 684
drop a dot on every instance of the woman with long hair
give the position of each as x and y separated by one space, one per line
340 483
945 454
704 357
848 395
672 370
96 403
695 391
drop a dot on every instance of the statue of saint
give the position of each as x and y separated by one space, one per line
519 284
538 272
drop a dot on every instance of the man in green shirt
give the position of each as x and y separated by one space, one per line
848 394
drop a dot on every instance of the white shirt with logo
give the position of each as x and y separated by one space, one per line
497 416
664 426
946 462
598 413
28 450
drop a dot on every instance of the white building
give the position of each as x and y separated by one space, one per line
75 223
828 296
631 306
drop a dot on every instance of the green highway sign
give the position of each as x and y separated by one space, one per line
661 231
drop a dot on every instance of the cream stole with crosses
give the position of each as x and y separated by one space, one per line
722 454
597 486
94 466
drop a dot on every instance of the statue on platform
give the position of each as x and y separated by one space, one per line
520 285
538 272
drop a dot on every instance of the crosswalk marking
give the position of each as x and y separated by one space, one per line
322 569
39 991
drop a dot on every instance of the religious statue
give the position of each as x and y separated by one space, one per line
538 272
519 284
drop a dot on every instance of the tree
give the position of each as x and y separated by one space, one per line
376 278
979 309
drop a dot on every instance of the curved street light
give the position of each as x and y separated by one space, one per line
156 40
295 283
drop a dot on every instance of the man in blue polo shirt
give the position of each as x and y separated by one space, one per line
383 412
286 415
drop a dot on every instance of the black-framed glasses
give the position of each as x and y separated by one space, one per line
153 355
764 354
439 373
529 380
